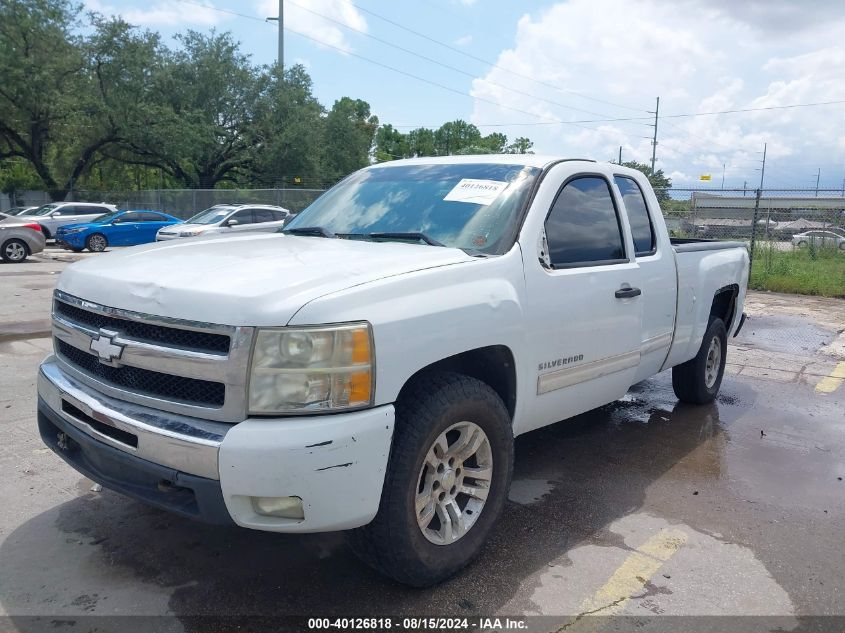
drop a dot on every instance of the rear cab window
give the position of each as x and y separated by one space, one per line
642 228
583 227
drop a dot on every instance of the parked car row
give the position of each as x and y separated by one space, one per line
96 226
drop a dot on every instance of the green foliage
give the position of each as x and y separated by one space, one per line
90 102
453 138
659 181
817 271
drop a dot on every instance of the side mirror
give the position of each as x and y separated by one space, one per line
54 214
231 222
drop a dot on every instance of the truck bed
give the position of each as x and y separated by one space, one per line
690 244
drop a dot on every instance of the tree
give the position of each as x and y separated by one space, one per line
391 144
289 128
521 145
659 181
349 132
41 68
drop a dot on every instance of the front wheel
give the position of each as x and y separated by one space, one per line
697 381
97 243
446 483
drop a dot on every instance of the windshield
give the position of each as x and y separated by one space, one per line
45 210
210 216
465 205
107 217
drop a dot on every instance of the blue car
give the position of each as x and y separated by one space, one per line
121 228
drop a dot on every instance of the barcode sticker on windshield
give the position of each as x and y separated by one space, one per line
476 191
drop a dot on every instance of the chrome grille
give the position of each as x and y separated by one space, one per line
185 367
143 381
172 337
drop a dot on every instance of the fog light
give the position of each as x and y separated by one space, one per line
284 507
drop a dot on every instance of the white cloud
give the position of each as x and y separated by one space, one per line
465 40
699 56
303 17
162 13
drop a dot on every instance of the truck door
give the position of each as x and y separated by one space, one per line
657 271
584 297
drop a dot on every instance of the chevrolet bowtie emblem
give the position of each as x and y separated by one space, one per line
104 346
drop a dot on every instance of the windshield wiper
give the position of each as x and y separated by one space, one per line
422 237
316 231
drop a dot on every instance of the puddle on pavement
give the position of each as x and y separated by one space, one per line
785 334
528 491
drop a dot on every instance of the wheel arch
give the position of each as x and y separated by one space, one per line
493 365
723 305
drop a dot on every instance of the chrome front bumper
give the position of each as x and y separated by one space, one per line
184 443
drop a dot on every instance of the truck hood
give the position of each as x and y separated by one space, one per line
257 279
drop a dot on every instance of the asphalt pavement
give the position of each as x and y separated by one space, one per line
644 507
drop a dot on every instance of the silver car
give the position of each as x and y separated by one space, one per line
228 219
52 216
818 239
19 238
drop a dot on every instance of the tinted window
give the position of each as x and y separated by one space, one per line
265 215
129 217
641 228
244 216
279 215
151 217
582 225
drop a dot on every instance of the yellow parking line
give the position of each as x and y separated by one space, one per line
831 383
632 575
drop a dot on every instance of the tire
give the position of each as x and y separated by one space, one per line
14 251
395 542
802 245
697 381
842 246
97 243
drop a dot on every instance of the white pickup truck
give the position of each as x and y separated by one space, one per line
367 368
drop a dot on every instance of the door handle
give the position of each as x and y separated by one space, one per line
628 293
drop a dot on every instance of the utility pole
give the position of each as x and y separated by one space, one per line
723 176
654 140
620 154
763 170
281 20
818 175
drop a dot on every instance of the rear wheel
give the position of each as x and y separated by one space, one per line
446 484
697 381
14 251
97 243
802 245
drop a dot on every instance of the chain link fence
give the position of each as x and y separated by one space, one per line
183 203
796 237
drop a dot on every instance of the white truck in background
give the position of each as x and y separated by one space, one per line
367 368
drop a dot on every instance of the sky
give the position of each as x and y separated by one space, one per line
579 77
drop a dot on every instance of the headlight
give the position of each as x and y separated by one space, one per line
69 231
188 233
312 370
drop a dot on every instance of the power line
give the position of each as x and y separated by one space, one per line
396 70
489 63
439 63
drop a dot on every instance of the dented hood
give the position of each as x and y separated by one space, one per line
258 279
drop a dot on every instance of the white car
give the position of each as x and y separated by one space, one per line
228 219
818 239
367 368
52 216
